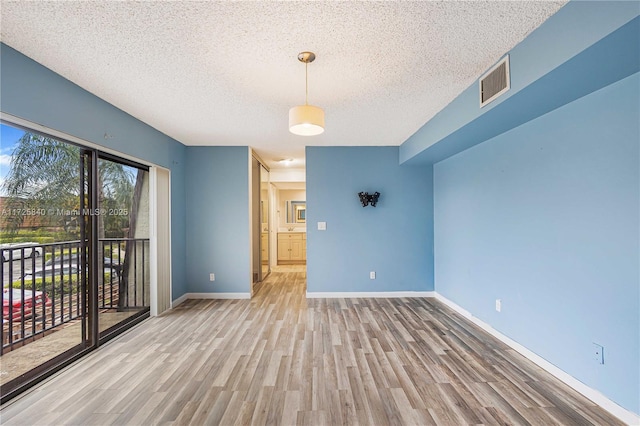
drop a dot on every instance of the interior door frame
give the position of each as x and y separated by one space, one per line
273 224
255 220
160 232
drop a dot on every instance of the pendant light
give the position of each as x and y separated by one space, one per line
306 120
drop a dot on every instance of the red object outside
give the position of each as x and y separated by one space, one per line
31 300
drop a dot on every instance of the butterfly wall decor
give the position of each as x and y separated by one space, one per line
368 199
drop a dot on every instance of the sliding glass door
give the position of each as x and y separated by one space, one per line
74 228
43 231
123 245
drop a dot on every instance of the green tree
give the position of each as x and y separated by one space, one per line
45 174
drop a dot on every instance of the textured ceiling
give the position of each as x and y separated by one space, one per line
226 73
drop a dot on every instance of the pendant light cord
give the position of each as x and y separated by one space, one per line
306 83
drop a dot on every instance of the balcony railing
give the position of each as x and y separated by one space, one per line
42 285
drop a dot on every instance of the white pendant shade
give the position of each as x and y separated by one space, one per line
306 120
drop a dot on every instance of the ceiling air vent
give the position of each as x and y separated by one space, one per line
495 82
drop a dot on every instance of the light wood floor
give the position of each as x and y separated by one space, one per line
282 359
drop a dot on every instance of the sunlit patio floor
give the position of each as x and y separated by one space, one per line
23 359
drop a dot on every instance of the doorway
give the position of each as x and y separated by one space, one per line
292 223
260 220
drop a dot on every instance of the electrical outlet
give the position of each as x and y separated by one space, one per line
372 275
212 277
598 353
499 305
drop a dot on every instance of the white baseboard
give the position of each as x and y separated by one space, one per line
187 296
218 295
179 300
622 413
363 294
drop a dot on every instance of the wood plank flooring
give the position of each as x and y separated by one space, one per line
282 359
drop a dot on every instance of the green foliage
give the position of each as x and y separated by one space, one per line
21 239
41 236
67 252
44 175
66 284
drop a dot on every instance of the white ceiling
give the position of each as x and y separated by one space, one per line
226 73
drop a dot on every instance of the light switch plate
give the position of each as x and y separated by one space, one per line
322 226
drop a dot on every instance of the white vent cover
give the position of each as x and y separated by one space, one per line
495 82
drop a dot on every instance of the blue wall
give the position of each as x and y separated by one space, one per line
546 218
37 94
395 239
217 182
536 196
593 44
